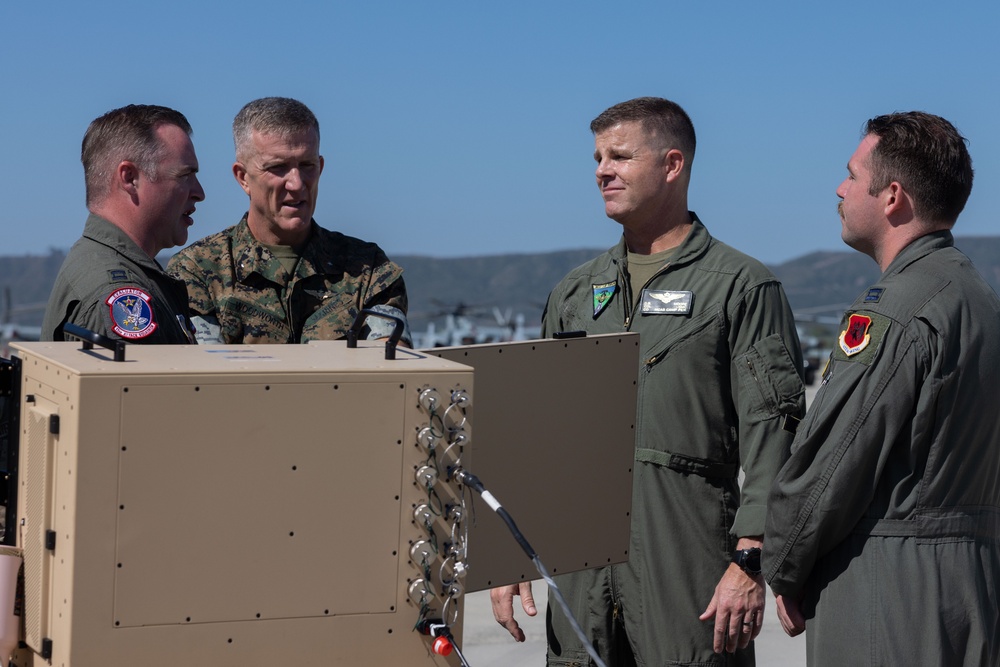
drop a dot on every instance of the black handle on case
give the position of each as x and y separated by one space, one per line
92 338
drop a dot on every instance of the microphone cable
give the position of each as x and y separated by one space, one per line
473 482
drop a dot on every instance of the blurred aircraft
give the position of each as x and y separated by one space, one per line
461 328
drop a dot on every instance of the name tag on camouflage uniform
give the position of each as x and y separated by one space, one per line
664 302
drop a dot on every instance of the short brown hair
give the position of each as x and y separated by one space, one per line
928 157
662 117
127 133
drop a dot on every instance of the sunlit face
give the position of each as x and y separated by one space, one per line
631 172
169 201
281 176
860 212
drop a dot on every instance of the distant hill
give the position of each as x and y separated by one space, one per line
521 282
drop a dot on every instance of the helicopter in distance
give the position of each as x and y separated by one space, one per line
464 325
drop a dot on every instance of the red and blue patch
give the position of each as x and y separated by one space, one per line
131 313
855 337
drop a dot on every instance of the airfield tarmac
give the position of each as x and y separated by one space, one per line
486 644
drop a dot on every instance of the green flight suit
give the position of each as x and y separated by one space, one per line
720 367
109 285
236 282
886 518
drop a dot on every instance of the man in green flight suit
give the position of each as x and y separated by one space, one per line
277 276
142 185
883 528
719 377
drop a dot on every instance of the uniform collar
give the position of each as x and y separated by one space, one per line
254 257
920 248
692 247
101 230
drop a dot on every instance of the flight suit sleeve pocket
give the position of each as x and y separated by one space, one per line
770 385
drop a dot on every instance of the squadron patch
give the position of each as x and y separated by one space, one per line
855 337
664 302
602 296
131 313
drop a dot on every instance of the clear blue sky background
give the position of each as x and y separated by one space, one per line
461 128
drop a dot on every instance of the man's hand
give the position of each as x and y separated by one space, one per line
503 606
738 606
790 615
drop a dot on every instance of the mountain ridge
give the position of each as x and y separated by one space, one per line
823 281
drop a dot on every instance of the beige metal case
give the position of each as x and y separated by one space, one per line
260 505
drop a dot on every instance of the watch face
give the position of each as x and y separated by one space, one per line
748 560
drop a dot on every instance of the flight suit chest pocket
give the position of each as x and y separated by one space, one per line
769 382
707 329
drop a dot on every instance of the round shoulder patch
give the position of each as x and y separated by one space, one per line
131 312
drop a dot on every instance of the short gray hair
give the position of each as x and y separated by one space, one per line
270 115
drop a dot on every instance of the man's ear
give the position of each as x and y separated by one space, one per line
673 164
127 177
895 200
240 172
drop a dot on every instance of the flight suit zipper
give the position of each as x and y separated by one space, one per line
630 308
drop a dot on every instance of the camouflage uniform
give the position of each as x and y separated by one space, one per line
109 285
238 291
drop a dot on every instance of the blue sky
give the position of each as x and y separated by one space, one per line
461 128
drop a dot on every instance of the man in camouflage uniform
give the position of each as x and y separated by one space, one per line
277 276
142 185
883 528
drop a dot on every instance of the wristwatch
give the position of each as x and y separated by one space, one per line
748 560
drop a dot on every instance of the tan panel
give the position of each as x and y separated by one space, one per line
291 490
37 494
554 442
212 488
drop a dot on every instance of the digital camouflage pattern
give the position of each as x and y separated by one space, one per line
237 282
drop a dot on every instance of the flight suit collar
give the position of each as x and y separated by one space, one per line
101 230
918 248
692 247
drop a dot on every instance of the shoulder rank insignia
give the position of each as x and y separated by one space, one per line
118 276
874 295
131 313
855 337
602 296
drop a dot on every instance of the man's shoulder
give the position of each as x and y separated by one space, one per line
943 281
339 251
722 257
206 253
90 266
329 242
600 266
